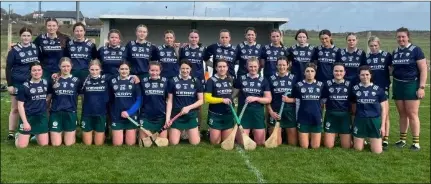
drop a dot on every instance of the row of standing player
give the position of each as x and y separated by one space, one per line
299 57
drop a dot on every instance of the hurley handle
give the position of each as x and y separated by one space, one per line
281 108
238 120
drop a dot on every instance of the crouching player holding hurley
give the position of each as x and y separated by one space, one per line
32 108
282 82
96 96
370 111
218 94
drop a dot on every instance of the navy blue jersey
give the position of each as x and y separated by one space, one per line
310 106
379 64
125 93
368 100
404 62
245 51
81 53
169 61
219 51
325 59
34 97
219 88
139 55
50 52
154 92
337 95
251 87
351 62
111 57
96 95
196 57
185 92
65 94
270 54
18 63
280 85
300 56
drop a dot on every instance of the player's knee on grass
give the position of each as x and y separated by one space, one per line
174 136
215 136
329 140
194 136
42 139
358 144
56 138
22 141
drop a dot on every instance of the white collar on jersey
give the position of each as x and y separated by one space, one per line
272 45
114 47
180 77
22 46
119 77
287 74
69 76
332 46
218 77
405 46
190 46
95 77
219 44
347 50
334 81
145 41
47 35
249 76
306 45
31 81
305 81
85 40
362 85
158 77
248 43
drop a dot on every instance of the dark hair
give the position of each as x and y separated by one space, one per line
194 31
114 31
49 19
339 64
326 32
350 34
364 67
222 60
310 65
299 32
25 29
281 35
250 29
154 63
169 31
403 29
78 24
187 62
224 30
36 63
283 58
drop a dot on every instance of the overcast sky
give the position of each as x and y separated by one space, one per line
335 16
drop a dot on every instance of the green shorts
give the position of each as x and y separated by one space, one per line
124 124
220 122
81 74
152 125
62 121
337 122
367 127
253 118
305 128
38 123
93 123
186 121
288 118
404 90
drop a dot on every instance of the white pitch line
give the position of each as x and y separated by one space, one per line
250 167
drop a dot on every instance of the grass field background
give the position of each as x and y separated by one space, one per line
210 164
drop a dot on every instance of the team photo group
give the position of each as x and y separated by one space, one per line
139 93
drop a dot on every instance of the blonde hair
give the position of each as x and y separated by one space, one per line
374 39
253 59
65 59
95 62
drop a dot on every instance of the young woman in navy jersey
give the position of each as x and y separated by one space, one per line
352 57
168 55
112 55
126 94
370 111
184 97
253 88
409 78
247 49
153 108
337 115
380 64
32 108
280 83
300 54
63 118
223 49
81 51
140 52
309 121
271 52
51 45
218 93
96 96
194 52
19 59
325 55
